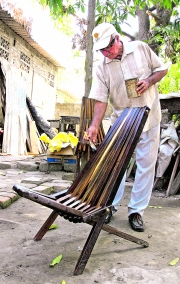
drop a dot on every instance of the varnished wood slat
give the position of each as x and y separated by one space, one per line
69 201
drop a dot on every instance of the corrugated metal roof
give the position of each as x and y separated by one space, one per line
6 18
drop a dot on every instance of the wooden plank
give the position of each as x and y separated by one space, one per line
174 184
33 137
23 138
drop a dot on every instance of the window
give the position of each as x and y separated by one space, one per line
24 62
51 79
4 48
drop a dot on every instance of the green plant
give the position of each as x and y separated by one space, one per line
171 82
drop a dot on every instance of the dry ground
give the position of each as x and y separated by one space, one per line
113 260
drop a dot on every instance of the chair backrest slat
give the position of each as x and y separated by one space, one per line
99 180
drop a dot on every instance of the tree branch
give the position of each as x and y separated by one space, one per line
128 35
155 16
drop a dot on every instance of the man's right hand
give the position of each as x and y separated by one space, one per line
91 134
99 112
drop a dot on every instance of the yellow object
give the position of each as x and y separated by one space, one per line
44 138
56 260
59 141
73 139
55 145
53 226
61 136
174 261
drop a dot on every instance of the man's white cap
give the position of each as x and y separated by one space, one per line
102 35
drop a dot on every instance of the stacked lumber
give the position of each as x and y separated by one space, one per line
20 133
84 150
14 104
34 145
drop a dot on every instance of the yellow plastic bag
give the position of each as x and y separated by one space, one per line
44 138
59 141
73 139
55 145
61 136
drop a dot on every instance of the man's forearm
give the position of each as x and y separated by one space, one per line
99 112
144 84
156 77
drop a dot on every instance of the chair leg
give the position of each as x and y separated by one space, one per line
89 245
125 236
45 227
114 231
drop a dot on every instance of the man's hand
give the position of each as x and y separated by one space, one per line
86 137
91 134
142 86
99 112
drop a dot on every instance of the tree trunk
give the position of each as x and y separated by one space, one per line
89 46
162 19
143 23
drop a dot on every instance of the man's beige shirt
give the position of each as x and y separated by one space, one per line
138 61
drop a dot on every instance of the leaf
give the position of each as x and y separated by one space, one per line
159 207
82 9
53 226
56 260
174 261
59 2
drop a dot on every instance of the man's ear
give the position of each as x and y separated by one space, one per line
117 38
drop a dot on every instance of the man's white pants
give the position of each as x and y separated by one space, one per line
146 156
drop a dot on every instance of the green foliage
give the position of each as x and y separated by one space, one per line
114 11
168 37
63 24
117 12
171 82
167 4
60 8
60 14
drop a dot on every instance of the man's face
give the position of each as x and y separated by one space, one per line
112 50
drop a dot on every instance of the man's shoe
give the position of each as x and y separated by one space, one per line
108 217
112 211
136 222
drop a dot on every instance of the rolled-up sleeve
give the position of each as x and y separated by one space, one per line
154 61
99 90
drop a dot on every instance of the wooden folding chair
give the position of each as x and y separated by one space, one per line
90 197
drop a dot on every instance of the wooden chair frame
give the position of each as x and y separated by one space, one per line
90 197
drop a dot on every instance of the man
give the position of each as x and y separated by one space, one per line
123 61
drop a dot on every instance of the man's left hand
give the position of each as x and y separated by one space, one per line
142 86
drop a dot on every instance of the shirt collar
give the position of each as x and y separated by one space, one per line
128 47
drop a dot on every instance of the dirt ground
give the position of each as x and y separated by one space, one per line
113 260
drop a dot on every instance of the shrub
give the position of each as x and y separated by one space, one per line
171 82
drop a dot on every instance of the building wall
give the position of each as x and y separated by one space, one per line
63 96
39 74
72 109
